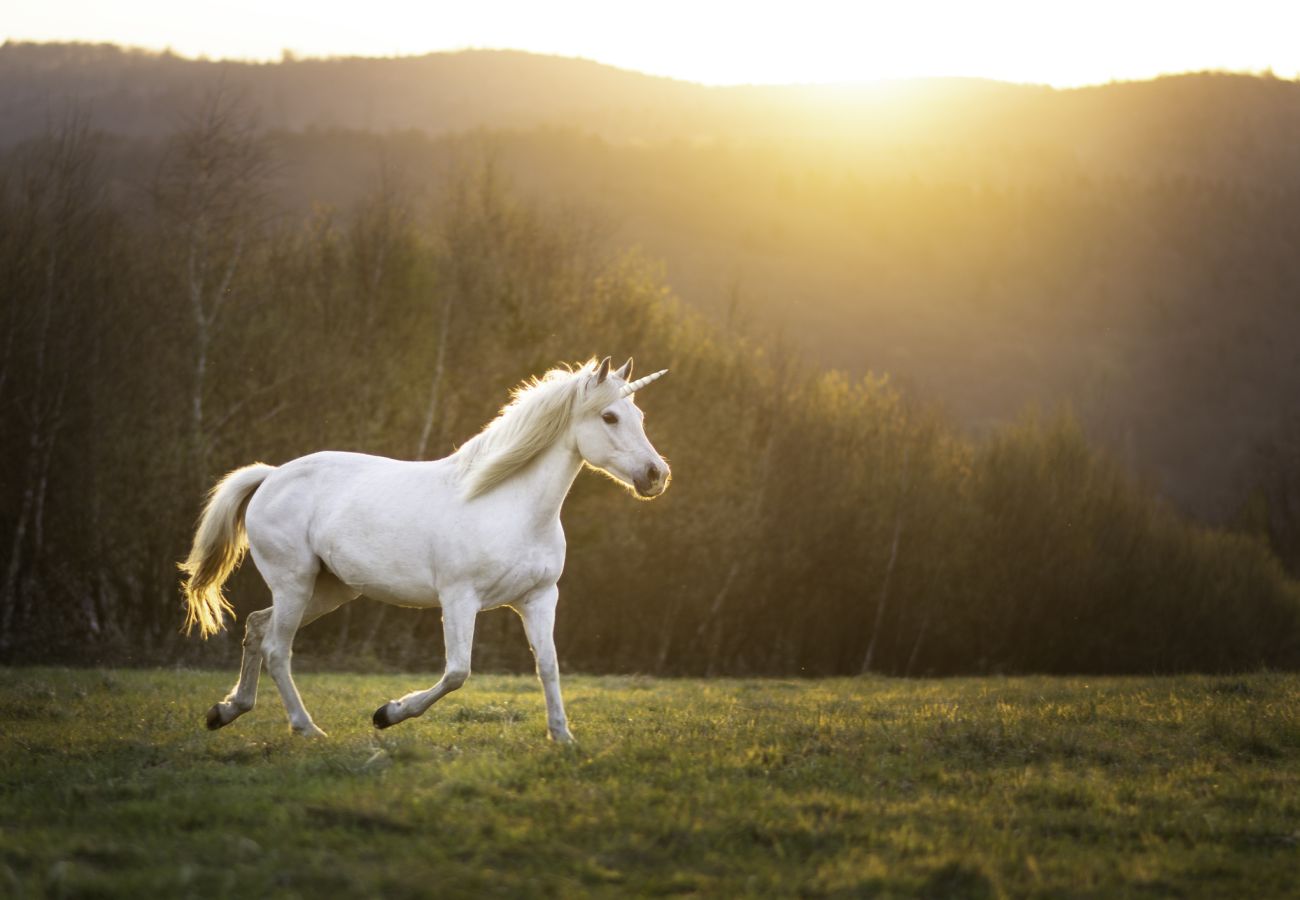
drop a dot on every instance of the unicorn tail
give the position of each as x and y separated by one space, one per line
219 545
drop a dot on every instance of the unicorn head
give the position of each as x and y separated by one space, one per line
610 430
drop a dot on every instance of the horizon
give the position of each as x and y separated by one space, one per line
289 56
1007 41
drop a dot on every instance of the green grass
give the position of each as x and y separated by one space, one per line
1169 787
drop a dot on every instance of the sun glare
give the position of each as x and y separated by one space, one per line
816 41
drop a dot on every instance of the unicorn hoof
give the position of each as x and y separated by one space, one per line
381 717
214 718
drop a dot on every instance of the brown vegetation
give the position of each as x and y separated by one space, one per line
820 523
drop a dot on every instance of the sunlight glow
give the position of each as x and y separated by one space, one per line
722 43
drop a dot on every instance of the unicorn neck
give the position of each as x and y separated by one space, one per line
544 482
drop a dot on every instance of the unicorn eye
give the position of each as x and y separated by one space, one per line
610 418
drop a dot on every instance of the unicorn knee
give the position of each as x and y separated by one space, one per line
548 671
453 678
275 653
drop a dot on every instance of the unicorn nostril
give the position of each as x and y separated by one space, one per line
652 473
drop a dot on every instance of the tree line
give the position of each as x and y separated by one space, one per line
1128 247
817 524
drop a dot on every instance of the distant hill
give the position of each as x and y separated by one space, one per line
1204 125
1129 249
138 93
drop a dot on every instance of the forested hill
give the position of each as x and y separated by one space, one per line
1129 250
1218 126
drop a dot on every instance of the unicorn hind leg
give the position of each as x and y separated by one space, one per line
243 695
328 595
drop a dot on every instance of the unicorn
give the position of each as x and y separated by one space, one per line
475 530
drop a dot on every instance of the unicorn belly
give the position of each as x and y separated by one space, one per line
493 579
399 570
399 586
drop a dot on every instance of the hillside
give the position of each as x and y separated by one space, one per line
1234 127
1127 249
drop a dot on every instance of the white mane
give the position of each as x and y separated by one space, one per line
539 411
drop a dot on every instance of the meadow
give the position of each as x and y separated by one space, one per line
981 787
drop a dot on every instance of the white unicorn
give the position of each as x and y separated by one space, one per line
472 531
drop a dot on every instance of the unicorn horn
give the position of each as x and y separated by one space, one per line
633 387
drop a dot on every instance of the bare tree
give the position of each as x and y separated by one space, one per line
56 212
473 200
211 193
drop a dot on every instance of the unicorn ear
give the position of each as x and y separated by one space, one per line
625 373
603 372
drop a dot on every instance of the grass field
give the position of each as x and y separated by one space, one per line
1184 787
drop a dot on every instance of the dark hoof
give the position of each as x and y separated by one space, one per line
214 718
381 717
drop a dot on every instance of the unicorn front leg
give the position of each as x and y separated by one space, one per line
538 614
458 633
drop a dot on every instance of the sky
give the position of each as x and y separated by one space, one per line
810 41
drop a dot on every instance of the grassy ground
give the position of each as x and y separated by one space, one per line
1186 787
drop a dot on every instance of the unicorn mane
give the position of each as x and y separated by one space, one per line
539 412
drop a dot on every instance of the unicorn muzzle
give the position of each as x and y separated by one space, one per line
653 480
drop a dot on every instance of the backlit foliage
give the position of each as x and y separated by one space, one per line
817 524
